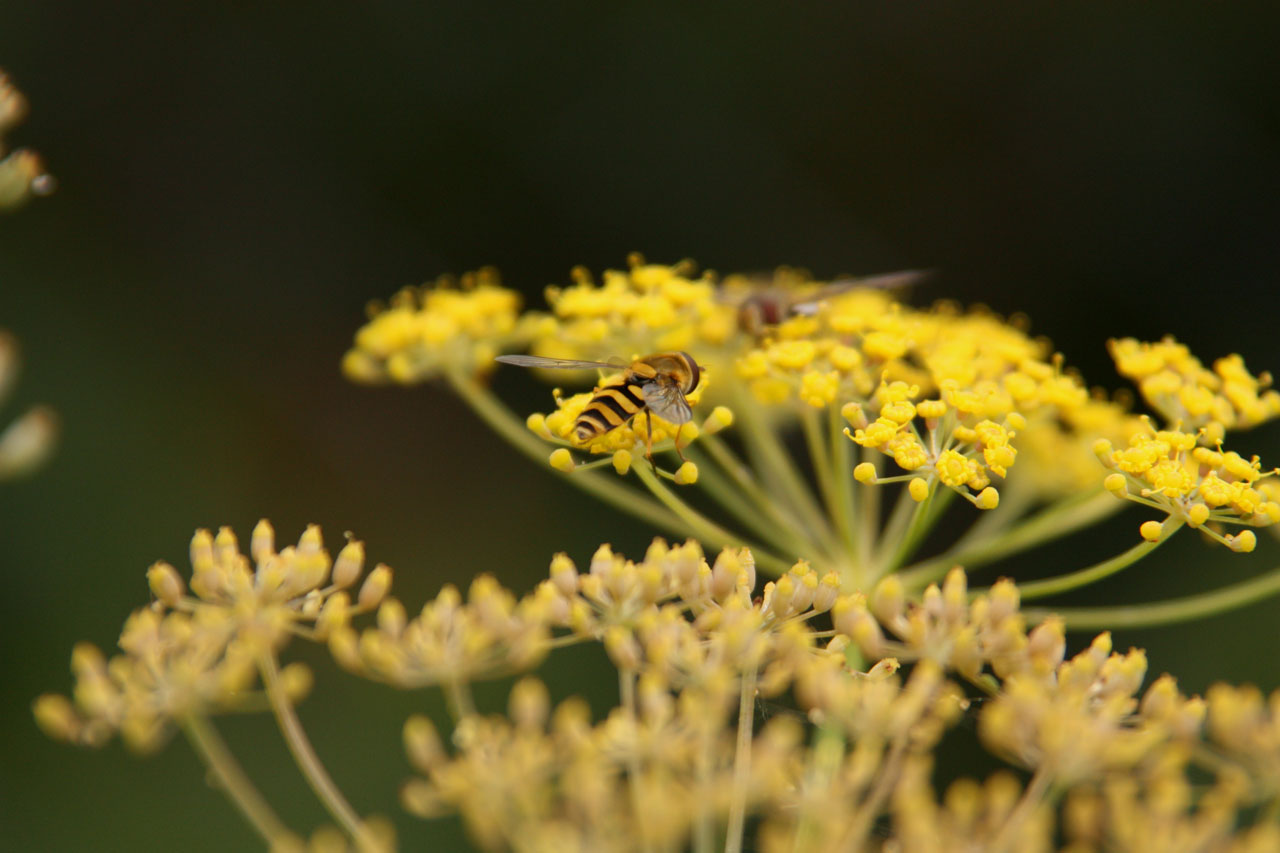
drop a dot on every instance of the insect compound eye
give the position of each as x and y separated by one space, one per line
695 373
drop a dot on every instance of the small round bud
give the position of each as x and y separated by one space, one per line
721 417
1198 515
262 543
537 423
1151 530
375 587
529 703
392 617
988 498
165 583
1116 484
562 460
827 592
918 488
622 461
297 681
687 474
56 717
852 412
349 564
422 743
865 472
1244 541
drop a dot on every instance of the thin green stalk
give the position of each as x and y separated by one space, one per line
714 480
606 487
208 744
704 528
845 509
627 699
923 523
457 696
869 520
308 762
1037 789
741 764
1050 523
824 763
779 470
1098 571
1169 612
905 512
742 476
821 460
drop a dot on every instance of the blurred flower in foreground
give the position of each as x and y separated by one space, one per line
27 442
22 174
683 761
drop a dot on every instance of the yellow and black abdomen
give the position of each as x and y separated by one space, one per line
613 405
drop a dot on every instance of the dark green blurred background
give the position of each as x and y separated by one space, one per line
236 183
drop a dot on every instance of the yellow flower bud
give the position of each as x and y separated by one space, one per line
1151 530
622 461
562 460
687 474
865 472
919 489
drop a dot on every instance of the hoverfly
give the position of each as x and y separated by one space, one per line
769 302
657 382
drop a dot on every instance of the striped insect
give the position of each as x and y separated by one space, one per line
657 382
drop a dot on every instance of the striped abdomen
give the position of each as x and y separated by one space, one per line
612 406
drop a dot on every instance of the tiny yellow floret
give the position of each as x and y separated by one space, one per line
865 472
988 498
1151 530
687 474
1244 541
1116 484
621 461
919 489
562 460
721 417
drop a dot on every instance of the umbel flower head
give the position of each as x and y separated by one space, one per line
193 653
921 404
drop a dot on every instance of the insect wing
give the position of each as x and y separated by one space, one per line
667 402
558 363
886 281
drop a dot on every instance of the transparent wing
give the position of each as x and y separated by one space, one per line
885 281
667 402
560 363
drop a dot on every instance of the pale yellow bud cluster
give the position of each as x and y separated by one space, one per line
198 652
21 173
1183 391
27 442
441 328
1201 486
451 641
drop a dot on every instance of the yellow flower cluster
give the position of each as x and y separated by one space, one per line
1184 392
198 654
1203 487
21 172
447 327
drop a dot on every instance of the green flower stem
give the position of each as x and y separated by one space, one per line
779 470
627 699
869 518
1098 571
1050 523
704 528
824 763
457 696
922 524
846 506
711 477
821 459
308 762
503 422
209 745
741 763
905 515
1170 612
742 477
